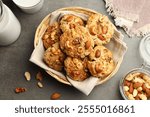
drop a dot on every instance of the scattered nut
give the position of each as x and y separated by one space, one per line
27 76
20 90
55 96
39 76
40 85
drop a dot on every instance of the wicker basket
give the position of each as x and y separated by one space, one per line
43 26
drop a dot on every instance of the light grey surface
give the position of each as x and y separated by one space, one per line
14 59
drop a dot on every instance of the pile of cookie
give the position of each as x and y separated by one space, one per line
77 46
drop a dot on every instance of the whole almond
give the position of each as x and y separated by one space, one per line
148 92
137 98
127 83
137 85
97 53
55 96
39 76
87 44
101 37
131 88
69 19
144 87
27 76
92 30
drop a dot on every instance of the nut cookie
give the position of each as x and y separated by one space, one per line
101 63
100 28
75 69
54 57
69 21
52 35
76 42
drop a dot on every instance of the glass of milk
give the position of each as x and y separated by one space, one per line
29 6
10 27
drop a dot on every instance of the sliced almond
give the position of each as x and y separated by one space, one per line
27 76
40 85
55 96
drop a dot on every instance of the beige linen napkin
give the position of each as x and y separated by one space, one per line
132 15
117 46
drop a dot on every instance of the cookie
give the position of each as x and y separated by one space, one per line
54 57
75 69
100 28
101 62
52 35
76 42
69 21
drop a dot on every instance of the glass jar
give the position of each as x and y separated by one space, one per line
10 27
144 50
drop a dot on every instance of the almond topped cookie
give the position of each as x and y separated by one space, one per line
101 62
52 35
76 42
69 21
100 28
54 57
75 69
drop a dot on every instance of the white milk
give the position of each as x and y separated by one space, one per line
10 27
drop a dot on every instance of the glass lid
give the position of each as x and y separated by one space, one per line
144 49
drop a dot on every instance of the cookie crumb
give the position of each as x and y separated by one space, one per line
55 96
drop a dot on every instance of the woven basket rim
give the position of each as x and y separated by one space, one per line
44 25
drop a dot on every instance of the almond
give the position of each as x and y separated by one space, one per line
131 88
137 98
92 30
39 76
137 85
148 92
20 90
101 37
87 44
97 53
27 76
55 96
127 83
69 19
144 87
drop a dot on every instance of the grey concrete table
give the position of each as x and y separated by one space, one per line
14 59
